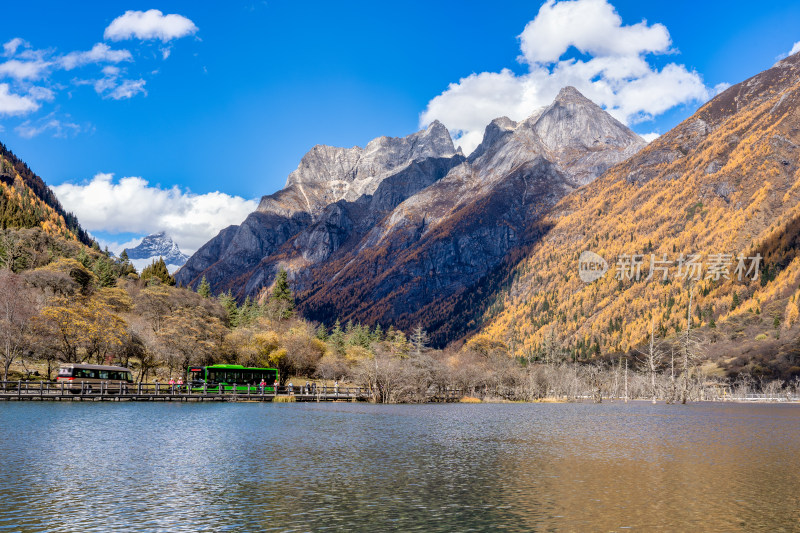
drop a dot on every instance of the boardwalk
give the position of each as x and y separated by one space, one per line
143 392
137 392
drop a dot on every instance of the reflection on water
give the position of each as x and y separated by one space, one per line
253 467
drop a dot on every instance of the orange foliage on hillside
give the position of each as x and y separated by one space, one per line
725 181
20 207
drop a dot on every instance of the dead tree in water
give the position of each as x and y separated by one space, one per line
626 380
690 348
652 360
673 386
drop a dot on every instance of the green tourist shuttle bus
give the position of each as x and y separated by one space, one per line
227 376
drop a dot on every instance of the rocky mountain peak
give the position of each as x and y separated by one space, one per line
496 130
331 165
570 94
574 133
572 120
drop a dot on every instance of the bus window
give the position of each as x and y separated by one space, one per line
65 372
103 374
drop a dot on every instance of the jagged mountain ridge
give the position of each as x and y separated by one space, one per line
405 229
429 260
333 193
726 180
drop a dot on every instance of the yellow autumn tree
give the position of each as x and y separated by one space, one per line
82 328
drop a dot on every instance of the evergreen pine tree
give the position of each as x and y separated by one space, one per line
83 258
158 270
105 272
204 289
377 334
337 338
282 298
227 301
248 312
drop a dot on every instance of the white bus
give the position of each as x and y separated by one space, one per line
94 378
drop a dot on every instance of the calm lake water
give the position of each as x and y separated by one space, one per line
300 467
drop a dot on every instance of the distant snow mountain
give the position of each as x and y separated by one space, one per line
154 246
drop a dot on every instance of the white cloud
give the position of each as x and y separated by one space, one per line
58 128
23 70
720 87
10 48
795 48
128 89
40 94
14 104
591 26
146 25
131 205
614 73
100 53
117 247
650 137
110 85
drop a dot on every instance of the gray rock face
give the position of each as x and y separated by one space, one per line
408 231
328 174
428 261
333 192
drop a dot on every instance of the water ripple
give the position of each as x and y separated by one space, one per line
324 467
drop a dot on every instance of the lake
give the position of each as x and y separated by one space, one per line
459 467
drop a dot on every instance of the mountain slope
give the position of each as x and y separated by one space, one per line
440 253
27 202
329 201
725 181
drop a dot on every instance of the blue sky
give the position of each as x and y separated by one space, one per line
227 98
